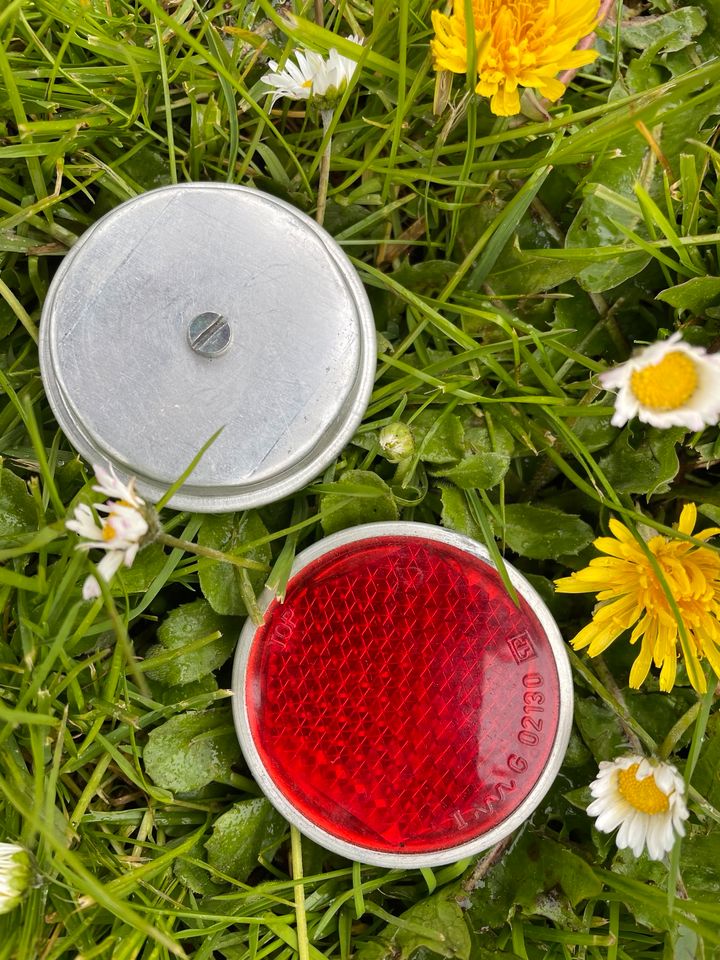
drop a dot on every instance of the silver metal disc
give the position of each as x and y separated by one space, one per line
201 307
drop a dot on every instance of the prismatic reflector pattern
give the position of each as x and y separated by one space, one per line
399 699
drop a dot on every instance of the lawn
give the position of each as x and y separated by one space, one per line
510 262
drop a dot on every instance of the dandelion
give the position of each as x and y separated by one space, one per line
668 384
16 874
313 77
125 525
645 799
630 595
519 43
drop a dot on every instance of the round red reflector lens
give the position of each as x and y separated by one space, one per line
398 706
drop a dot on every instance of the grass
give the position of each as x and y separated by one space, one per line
508 262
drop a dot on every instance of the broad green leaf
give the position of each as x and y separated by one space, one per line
599 728
666 33
699 862
656 712
427 277
576 325
580 797
191 750
543 533
17 510
478 438
479 471
708 452
595 433
647 467
184 691
706 777
456 514
185 626
577 754
220 582
694 295
648 873
438 439
137 578
711 511
193 876
610 197
240 835
616 172
440 916
8 320
368 499
521 273
527 873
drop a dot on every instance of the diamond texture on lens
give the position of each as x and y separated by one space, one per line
399 699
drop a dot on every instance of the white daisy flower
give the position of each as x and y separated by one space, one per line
668 384
16 874
120 533
645 799
111 485
312 75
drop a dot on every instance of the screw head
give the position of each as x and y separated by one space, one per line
209 334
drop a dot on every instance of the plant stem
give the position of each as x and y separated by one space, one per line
169 541
486 863
327 116
297 873
624 715
636 734
678 729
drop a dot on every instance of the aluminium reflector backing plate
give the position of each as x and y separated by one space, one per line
289 386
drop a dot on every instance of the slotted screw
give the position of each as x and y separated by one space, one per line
209 334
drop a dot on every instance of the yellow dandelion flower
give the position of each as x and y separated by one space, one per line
630 595
520 43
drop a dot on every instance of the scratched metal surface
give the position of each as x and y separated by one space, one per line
126 385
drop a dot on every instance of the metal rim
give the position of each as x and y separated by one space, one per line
245 496
365 854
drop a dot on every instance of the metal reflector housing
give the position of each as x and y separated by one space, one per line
206 307
399 708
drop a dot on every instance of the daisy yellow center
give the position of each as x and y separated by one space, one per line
108 531
644 795
307 83
668 384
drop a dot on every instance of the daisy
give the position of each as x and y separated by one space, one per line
645 799
396 441
668 384
16 874
630 596
519 43
121 532
313 76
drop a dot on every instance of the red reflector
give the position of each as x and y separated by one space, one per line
399 701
